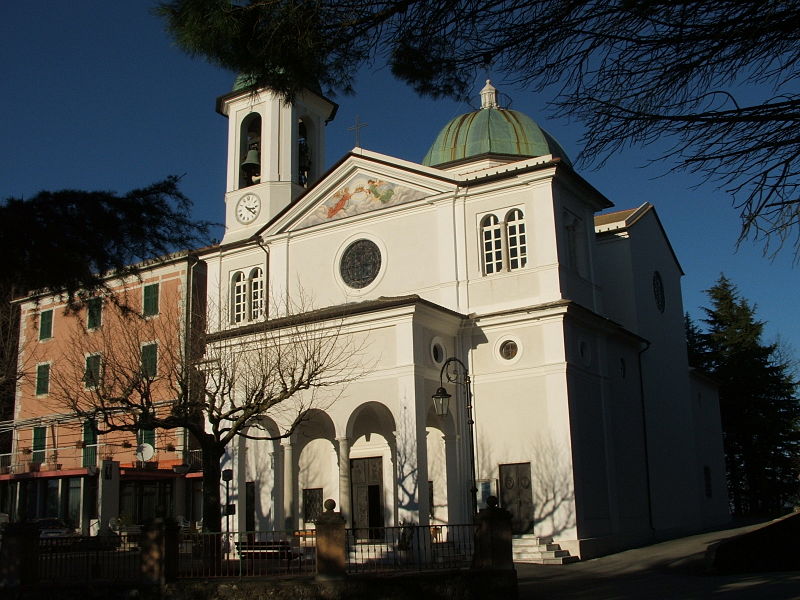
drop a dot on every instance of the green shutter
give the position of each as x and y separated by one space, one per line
42 379
150 306
45 324
94 309
149 360
39 437
91 376
89 433
146 436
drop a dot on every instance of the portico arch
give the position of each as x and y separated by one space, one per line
443 473
369 468
259 469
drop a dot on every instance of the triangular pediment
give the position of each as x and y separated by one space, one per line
357 187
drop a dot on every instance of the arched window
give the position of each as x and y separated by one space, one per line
303 154
250 151
256 293
504 243
492 235
577 255
238 297
517 246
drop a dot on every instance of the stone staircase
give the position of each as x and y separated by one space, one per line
540 551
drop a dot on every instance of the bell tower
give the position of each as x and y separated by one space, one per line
276 150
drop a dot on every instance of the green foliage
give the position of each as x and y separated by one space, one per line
634 72
72 240
758 402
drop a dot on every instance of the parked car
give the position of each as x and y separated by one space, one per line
52 527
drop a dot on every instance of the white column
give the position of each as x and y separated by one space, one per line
344 478
290 518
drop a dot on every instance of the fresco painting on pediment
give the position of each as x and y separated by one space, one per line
360 195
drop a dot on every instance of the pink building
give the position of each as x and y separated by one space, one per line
60 466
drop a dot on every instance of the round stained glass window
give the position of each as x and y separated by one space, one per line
508 349
360 263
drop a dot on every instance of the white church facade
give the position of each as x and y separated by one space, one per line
580 414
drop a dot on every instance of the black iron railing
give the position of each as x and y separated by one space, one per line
410 547
95 558
247 554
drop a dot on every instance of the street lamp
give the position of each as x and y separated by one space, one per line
441 405
227 476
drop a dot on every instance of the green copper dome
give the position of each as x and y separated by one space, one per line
491 130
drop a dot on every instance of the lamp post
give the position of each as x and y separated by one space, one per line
227 476
441 404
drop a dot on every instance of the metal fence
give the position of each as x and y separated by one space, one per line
82 558
255 554
247 554
410 547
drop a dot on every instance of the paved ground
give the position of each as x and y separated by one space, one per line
669 570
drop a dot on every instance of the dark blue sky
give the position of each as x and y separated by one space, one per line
95 96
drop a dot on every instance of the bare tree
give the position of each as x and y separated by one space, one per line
715 79
157 373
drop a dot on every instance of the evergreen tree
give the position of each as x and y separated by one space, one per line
758 402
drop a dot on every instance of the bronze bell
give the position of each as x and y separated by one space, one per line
251 162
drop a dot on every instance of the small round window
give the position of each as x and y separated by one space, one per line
508 349
360 263
437 353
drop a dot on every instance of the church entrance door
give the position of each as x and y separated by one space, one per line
516 496
366 477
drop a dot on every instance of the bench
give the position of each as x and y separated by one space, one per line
270 550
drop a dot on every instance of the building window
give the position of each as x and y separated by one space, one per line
250 153
146 436
256 293
94 313
247 296
504 243
39 440
149 360
508 349
91 374
658 292
239 297
517 242
303 154
491 232
360 264
45 324
42 379
89 444
312 504
577 257
150 304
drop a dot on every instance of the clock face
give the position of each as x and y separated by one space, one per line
247 208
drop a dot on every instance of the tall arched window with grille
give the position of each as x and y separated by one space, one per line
517 242
492 236
238 297
256 293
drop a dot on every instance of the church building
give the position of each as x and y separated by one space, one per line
510 334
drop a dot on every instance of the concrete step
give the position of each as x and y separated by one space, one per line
539 554
539 550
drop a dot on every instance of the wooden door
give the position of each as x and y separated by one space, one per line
516 496
366 478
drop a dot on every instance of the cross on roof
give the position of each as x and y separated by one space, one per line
357 128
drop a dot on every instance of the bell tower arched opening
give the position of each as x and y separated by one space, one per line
250 151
